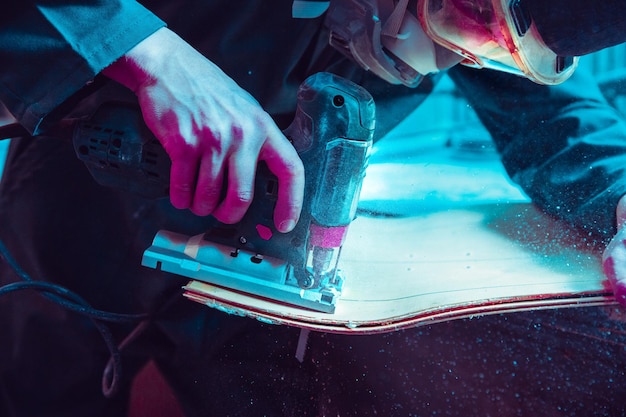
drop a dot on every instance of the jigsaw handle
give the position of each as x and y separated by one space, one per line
121 152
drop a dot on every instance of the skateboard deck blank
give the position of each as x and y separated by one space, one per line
458 263
441 234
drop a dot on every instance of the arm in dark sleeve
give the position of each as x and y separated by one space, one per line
564 145
579 27
51 49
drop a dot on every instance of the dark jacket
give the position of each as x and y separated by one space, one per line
564 145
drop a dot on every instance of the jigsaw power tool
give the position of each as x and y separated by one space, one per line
332 132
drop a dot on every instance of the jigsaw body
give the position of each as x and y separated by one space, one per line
332 132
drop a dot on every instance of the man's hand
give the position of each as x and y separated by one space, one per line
614 256
212 130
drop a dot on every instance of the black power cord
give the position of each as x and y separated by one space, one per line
73 302
63 296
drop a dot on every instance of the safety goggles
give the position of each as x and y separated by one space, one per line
496 34
402 40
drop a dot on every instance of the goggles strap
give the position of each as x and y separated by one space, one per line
394 22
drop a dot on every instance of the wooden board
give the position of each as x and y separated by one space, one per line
440 238
403 272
